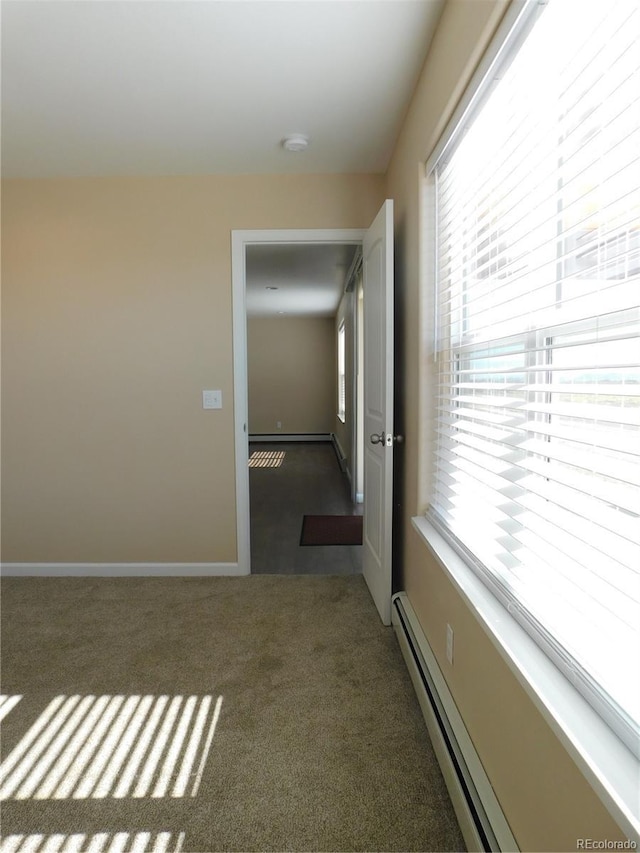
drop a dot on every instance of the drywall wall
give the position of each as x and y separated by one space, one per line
117 313
547 801
291 374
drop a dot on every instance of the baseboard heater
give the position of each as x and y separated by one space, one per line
342 459
479 814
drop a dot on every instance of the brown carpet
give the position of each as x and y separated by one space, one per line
211 714
331 530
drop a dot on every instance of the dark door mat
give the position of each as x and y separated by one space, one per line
331 530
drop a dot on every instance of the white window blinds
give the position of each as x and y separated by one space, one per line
538 344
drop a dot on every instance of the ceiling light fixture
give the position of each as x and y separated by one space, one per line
295 142
271 287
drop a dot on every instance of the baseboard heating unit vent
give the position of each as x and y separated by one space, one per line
342 459
481 819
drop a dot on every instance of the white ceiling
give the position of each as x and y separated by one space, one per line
138 87
187 87
309 279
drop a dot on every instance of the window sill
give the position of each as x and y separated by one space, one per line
610 768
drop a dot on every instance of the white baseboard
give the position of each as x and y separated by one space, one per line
120 570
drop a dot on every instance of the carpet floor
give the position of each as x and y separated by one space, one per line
211 714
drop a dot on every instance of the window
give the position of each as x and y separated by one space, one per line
537 463
342 378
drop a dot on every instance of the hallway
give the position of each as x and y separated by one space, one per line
307 480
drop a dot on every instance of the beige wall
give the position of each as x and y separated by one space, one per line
547 801
292 374
116 314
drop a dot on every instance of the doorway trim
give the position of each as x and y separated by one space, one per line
240 239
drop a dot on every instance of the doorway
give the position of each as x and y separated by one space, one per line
244 245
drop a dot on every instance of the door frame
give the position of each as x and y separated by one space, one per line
240 240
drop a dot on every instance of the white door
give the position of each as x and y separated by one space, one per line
378 408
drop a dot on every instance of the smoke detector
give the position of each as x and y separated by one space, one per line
295 142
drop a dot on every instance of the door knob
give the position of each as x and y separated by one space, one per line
385 438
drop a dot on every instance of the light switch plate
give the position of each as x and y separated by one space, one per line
212 399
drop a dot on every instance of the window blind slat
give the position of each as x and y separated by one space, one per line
622 468
613 441
607 551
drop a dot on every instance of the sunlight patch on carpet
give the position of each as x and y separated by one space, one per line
266 458
95 747
101 842
7 703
